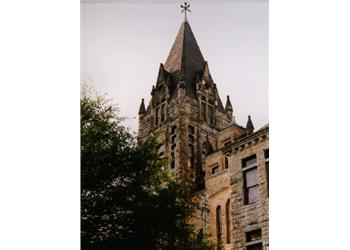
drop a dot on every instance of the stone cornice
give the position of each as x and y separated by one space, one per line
246 139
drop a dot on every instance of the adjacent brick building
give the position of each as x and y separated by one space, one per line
201 140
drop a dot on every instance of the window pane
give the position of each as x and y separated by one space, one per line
253 235
251 178
253 194
255 247
211 113
266 153
215 169
202 110
163 112
191 139
191 130
249 161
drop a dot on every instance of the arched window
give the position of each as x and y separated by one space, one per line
218 226
228 231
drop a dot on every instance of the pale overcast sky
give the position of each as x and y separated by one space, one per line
123 43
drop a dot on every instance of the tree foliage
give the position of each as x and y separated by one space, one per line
128 201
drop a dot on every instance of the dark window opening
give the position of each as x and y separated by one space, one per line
257 246
218 226
210 114
191 130
215 170
190 155
163 113
267 176
253 235
228 230
266 154
158 115
202 111
226 162
251 186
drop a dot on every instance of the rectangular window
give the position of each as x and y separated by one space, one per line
267 176
251 240
249 161
191 139
253 235
202 111
215 169
251 186
211 114
257 246
158 114
226 162
266 154
173 147
191 130
173 139
163 113
190 155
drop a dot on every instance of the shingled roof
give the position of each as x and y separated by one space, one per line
185 61
185 58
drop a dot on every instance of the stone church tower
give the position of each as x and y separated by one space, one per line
185 111
228 163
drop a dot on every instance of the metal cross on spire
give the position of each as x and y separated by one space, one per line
185 8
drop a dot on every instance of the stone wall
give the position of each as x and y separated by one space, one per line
246 218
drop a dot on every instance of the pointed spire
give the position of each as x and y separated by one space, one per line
250 126
228 108
142 109
185 57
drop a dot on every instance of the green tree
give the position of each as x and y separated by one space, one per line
128 201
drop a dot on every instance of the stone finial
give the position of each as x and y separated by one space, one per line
250 126
142 109
161 74
228 108
153 90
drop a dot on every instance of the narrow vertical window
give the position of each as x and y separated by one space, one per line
191 138
254 240
210 114
158 115
266 155
173 147
202 110
190 156
228 230
163 112
218 226
226 162
251 186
